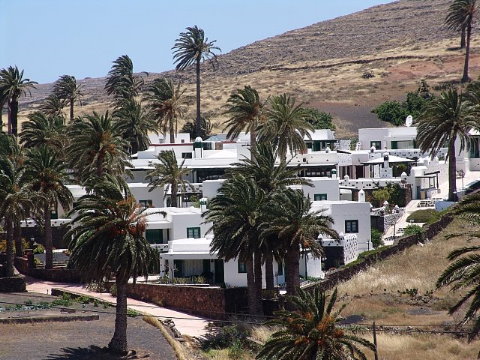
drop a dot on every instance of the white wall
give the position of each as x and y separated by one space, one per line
327 186
233 278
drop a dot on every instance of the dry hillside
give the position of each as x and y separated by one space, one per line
322 64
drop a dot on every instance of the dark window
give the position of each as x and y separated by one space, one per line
242 267
187 155
193 232
351 226
280 269
154 236
319 197
53 214
377 144
146 203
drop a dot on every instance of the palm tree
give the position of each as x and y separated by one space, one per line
53 106
3 101
106 240
311 332
191 48
121 81
97 148
41 129
12 86
461 15
446 118
66 88
291 220
286 125
236 215
46 176
245 111
135 124
464 272
15 204
166 104
168 172
271 178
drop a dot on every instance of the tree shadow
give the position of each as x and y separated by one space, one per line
93 353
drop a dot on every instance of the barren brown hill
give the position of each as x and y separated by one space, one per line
322 64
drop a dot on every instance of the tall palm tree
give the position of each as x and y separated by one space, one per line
236 215
66 88
12 86
106 240
135 123
246 112
446 118
311 332
165 101
121 82
291 220
3 101
461 15
168 172
41 129
271 178
46 176
15 204
191 48
286 125
53 106
97 148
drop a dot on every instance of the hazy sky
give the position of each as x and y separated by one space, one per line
49 38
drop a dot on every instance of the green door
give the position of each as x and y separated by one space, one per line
219 278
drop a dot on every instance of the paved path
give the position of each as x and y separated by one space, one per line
186 324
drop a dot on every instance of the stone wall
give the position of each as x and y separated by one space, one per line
12 284
210 302
55 274
337 276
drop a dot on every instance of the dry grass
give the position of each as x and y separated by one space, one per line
424 347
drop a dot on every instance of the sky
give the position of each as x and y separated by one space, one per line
50 38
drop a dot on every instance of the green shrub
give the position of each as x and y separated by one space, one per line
224 337
39 249
319 120
427 216
412 230
376 237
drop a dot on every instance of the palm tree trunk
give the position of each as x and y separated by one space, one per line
257 264
462 37
253 142
465 77
172 131
269 278
452 172
48 238
10 251
71 110
173 196
292 270
118 344
253 308
198 120
17 235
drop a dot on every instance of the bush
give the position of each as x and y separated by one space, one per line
427 216
225 337
39 249
376 236
412 230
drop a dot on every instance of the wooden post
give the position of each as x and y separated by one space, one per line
375 340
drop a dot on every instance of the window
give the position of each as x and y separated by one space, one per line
351 226
280 269
319 197
377 144
187 155
193 232
154 236
242 267
146 203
